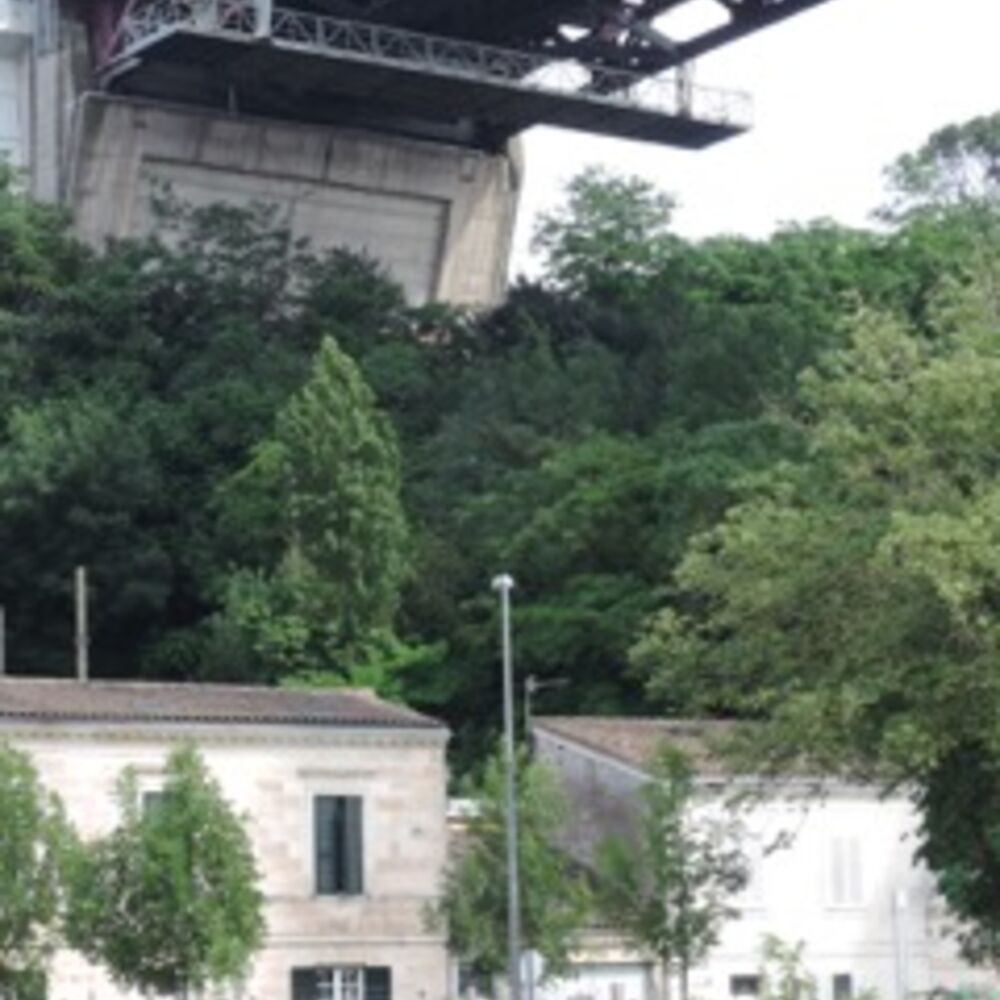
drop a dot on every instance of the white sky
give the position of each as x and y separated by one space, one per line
840 91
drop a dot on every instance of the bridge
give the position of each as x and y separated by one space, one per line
384 126
471 72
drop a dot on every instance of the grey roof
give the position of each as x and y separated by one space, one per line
634 741
110 702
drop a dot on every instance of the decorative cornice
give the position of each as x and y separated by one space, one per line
207 734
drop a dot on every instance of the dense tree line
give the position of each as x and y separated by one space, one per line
710 465
159 398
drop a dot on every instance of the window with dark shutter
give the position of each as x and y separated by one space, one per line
304 984
339 847
378 983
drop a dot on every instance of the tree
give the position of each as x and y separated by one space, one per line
317 523
667 889
554 898
958 164
169 901
849 600
783 974
612 233
36 846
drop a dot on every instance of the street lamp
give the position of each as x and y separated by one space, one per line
504 584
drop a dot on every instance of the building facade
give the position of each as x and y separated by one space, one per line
835 872
343 797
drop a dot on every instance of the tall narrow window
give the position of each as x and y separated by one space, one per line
339 848
846 886
843 986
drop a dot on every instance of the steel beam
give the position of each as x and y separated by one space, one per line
371 44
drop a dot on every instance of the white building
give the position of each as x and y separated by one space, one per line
344 800
836 873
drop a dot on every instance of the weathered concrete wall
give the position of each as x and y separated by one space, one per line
439 218
270 774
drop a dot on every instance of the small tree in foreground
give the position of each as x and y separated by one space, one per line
783 975
168 901
667 889
554 898
35 843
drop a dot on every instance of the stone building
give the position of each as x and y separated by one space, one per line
314 774
836 872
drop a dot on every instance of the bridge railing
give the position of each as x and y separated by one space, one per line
673 94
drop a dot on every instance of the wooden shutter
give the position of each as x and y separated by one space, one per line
378 983
339 844
324 813
353 846
304 984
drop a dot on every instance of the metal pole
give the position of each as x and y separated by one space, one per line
504 584
82 637
265 12
3 640
529 690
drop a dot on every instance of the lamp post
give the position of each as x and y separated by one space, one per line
504 584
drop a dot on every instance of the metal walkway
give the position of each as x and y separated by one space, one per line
326 65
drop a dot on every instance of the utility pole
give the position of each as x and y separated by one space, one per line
504 584
82 634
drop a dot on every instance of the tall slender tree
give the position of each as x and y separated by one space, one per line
555 900
318 515
669 887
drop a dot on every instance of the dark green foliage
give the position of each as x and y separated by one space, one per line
169 900
136 385
577 436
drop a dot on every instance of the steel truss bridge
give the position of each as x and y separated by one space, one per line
474 72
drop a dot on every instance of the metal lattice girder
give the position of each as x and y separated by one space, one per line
382 46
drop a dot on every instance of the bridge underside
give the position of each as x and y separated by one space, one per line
282 81
473 72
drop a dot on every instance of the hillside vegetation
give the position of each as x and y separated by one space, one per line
276 470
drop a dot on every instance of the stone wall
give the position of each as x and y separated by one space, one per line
270 774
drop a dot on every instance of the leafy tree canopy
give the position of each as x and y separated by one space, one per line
36 850
169 900
850 598
554 898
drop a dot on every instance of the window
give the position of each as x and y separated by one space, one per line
342 982
153 802
339 856
846 887
843 986
744 986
